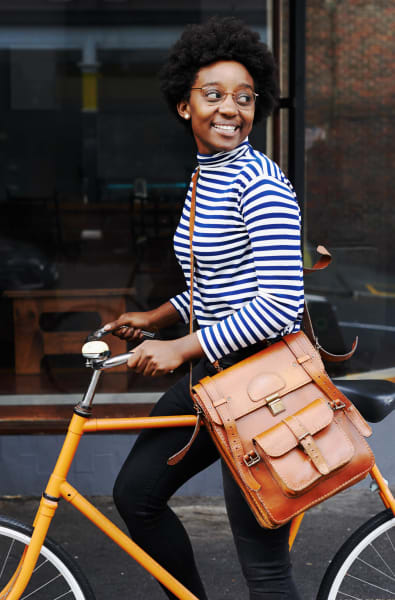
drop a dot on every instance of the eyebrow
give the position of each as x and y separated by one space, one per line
218 83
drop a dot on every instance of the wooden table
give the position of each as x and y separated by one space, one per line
32 343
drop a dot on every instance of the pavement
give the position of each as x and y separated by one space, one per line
113 574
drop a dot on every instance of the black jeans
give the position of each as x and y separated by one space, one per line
145 484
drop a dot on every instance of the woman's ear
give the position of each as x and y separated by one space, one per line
184 110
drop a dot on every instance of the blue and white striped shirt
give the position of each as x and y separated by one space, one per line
248 279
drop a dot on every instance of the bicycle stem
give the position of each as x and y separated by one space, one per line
86 402
98 366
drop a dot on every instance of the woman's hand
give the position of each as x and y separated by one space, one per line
129 325
157 357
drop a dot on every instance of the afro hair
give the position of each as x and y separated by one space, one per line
225 38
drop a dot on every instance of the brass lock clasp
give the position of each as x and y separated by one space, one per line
275 404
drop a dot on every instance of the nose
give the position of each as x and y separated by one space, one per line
228 106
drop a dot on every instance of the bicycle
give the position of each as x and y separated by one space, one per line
31 564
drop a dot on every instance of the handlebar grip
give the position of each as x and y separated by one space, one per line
99 333
115 361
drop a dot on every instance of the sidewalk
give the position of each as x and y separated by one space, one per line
113 575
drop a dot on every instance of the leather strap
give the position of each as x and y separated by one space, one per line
324 260
300 348
192 265
222 407
175 458
307 326
307 442
221 404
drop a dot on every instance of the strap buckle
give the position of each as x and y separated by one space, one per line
251 458
336 404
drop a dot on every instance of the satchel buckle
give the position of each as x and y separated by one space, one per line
251 458
336 404
275 404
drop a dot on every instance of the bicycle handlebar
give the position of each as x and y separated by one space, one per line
114 361
98 353
99 333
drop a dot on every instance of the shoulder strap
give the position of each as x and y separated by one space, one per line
175 458
191 227
324 260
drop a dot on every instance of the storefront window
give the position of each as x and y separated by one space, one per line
93 173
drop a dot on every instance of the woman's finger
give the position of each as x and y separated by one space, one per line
123 332
150 369
137 362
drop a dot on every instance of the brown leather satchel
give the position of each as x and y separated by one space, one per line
290 438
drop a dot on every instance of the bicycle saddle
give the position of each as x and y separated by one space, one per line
374 398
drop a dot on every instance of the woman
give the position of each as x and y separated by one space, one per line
219 80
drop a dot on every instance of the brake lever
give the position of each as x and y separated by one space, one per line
99 333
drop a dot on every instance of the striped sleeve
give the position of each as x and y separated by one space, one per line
181 304
272 219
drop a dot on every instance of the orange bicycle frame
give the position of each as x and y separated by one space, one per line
58 487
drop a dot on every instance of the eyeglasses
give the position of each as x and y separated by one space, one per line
244 98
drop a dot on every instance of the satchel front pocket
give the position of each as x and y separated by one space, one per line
304 448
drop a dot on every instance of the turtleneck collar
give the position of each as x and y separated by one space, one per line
221 159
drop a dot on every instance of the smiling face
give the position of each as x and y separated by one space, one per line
223 126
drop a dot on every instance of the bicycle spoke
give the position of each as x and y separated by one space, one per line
390 541
41 587
371 584
381 558
375 569
54 576
363 568
63 595
40 565
6 558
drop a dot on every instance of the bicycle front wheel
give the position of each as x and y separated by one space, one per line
55 575
364 567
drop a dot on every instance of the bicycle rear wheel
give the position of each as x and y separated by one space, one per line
56 574
364 567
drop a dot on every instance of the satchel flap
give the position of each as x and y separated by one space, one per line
297 463
234 383
280 439
264 385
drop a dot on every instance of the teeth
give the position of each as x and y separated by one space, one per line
226 127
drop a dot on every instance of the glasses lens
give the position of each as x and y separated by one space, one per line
244 98
213 95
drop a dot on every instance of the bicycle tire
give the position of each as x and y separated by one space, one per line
364 567
56 574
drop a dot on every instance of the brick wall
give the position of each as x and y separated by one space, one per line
350 127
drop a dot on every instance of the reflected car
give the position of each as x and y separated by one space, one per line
23 266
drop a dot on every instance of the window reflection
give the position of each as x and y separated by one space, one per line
349 203
93 173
